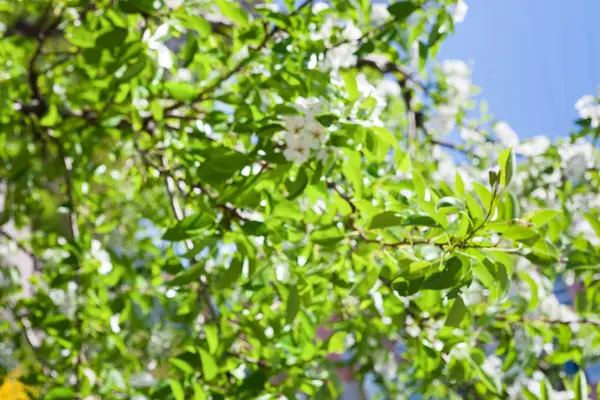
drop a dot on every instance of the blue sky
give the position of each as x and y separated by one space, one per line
532 59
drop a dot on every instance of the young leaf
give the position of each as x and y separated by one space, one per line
580 386
460 186
60 393
508 165
457 313
402 10
189 227
336 343
232 274
544 395
296 187
386 219
209 365
293 305
212 337
177 389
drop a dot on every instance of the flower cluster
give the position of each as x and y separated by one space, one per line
589 108
304 133
458 79
460 12
577 158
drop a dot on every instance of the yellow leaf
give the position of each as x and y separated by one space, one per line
13 389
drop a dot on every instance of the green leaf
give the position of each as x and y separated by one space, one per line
521 234
137 6
52 117
209 365
544 395
189 50
486 273
232 274
447 278
270 129
182 365
385 220
420 219
408 288
508 165
484 194
420 185
134 69
4 217
297 186
541 217
327 236
181 91
457 313
157 110
111 39
352 170
449 204
212 337
199 393
402 10
60 393
533 301
460 186
177 389
189 227
234 12
187 276
349 77
580 387
594 222
493 178
336 343
293 305
253 384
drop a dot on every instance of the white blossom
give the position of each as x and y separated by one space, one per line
341 56
379 12
142 380
550 307
173 3
319 6
310 107
317 136
506 134
297 148
351 32
581 226
588 107
472 135
294 123
184 75
577 158
114 324
458 79
534 146
460 11
444 121
102 256
325 30
165 58
492 365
